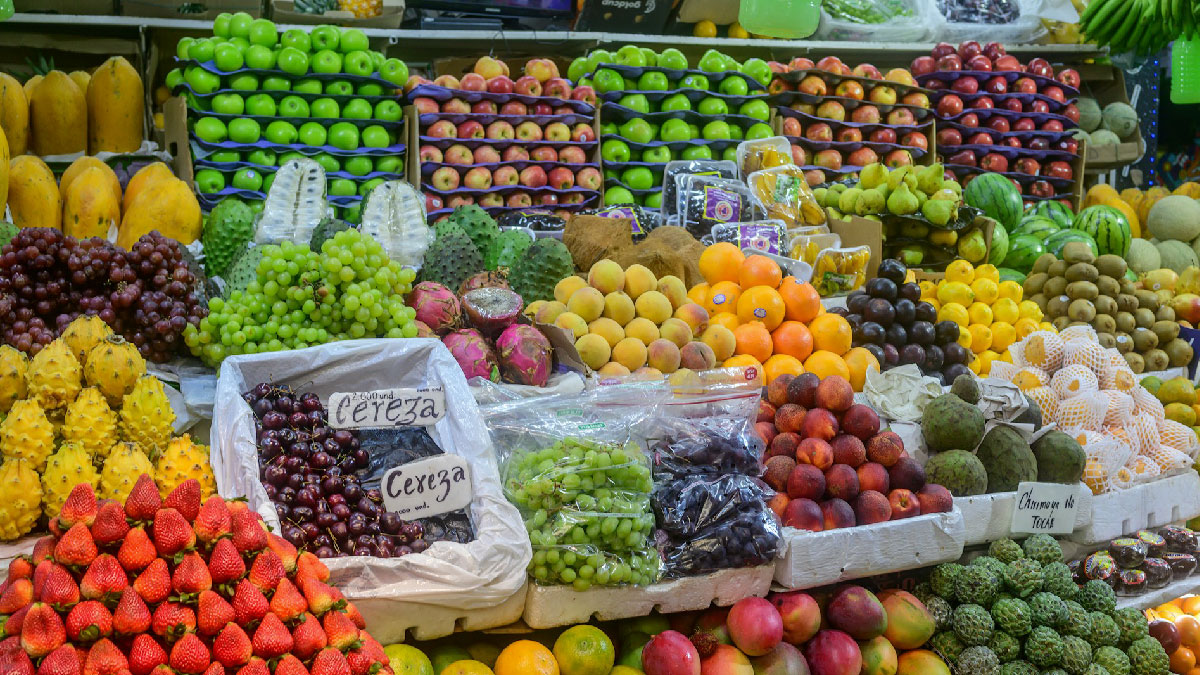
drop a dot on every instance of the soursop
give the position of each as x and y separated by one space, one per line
295 203
1079 621
1023 577
243 271
1043 647
478 225
972 624
976 584
1005 550
507 249
1060 458
325 230
1112 659
1132 625
1013 616
451 258
544 264
958 471
977 661
1104 631
1048 609
967 388
947 645
1076 655
1147 657
393 214
1043 548
1096 669
227 230
1057 579
1097 596
950 423
942 579
1006 647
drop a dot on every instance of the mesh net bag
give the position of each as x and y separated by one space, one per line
1002 370
1116 373
1121 431
1096 477
1143 432
1085 353
1046 399
1168 459
1139 469
1030 377
1146 402
1076 333
1073 380
1085 411
1106 455
1120 407
1042 349
1179 436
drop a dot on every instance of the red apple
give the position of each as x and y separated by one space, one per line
949 63
984 103
484 108
470 129
970 120
519 199
799 157
882 135
431 154
830 159
901 117
792 127
1052 125
478 178
964 157
904 503
996 85
1012 142
544 154
528 85
491 199
513 108
866 114
1038 143
505 175
994 162
993 50
558 87
541 109
1038 106
915 139
589 178
533 177
1024 85
587 94
831 64
949 106
557 132
943 49
432 203
442 129
1068 144
998 123
981 138
547 199
445 179
500 84
1041 188
473 82
936 84
916 98
529 132
448 81
515 153
862 157
979 63
897 158
500 130
1055 93
819 132
1058 169
561 178
1040 66
922 65
1069 77
1024 124
1071 112
572 154
485 154
583 133
1007 62
968 49
801 63
849 135
1028 166
965 85
425 105
459 154
949 137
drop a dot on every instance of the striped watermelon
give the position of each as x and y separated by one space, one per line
997 197
1007 274
999 244
1037 226
1056 241
1054 210
1023 249
1107 226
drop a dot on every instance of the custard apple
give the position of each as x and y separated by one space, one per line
973 624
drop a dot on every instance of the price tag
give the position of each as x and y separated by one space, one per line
427 487
386 408
1045 507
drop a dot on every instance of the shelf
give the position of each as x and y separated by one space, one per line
1157 597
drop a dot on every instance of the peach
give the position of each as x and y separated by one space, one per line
777 389
783 660
768 433
550 311
879 657
906 474
618 307
778 504
885 448
904 504
778 469
874 476
694 315
835 393
841 481
921 662
935 498
861 421
720 339
790 417
663 355
803 390
697 356
629 352
586 302
755 626
849 450
642 329
820 423
785 443
613 369
800 613
806 482
816 452
837 513
804 514
766 412
857 612
674 289
606 276
910 624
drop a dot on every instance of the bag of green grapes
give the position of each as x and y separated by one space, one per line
576 467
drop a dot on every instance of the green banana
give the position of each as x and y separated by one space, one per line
1119 41
1106 20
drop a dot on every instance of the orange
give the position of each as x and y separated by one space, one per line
1189 631
526 657
753 339
792 338
858 360
1182 660
781 364
721 262
723 297
1193 671
1191 604
698 294
726 319
802 301
742 361
759 270
761 303
826 364
831 332
584 650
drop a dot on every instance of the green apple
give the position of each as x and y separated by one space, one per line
262 32
608 129
596 57
201 50
578 69
729 154
715 131
650 56
618 195
357 109
630 55
367 186
672 58
174 78
608 80
614 150
276 84
326 61
342 187
696 152
389 164
377 58
758 69
584 82
221 24
289 156
261 157
312 133
210 129
612 174
307 86
359 165
735 132
326 37
653 80
695 128
675 130
660 155
292 61
293 106
636 103
244 130
281 132
358 63
225 156
375 136
227 57
328 162
339 88
228 104
653 130
247 179
638 178
758 109
394 71
637 130
244 82
759 131
182 47
369 89
344 136
353 40
734 85
260 104
239 25
675 102
210 181
297 39
695 82
628 83
241 43
713 61
388 110
261 58
352 214
194 102
713 107
256 205
325 108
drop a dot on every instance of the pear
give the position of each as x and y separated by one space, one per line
834 214
939 211
819 194
929 178
848 199
921 197
902 202
911 256
914 229
952 185
872 175
946 194
973 247
874 218
943 237
870 201
897 176
910 179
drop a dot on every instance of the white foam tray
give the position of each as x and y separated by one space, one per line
12 549
392 620
989 517
1173 590
1154 504
813 559
551 606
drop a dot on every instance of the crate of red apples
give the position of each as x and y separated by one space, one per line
506 144
840 119
840 480
998 115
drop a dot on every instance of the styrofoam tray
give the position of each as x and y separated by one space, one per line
12 549
813 559
987 518
550 606
1154 504
1154 598
392 620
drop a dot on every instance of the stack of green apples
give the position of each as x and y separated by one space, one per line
257 98
656 108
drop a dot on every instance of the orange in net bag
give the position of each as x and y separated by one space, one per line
1073 380
1120 407
1179 437
1085 411
1085 353
1071 333
1116 373
1042 349
1143 432
1168 459
1046 400
1030 377
1003 370
1106 455
1146 402
1139 469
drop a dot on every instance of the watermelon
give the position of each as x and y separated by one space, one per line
997 197
1108 226
999 244
1056 241
1023 249
1055 210
1007 274
1038 226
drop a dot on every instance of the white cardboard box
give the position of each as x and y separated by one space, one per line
987 518
393 620
1154 504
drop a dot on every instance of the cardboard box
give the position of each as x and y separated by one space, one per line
624 16
1107 85
175 9
177 143
90 7
987 225
861 232
284 11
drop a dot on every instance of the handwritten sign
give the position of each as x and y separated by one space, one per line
386 408
427 487
1045 507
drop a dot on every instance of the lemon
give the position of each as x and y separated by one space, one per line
956 291
985 361
985 290
1025 326
961 271
928 289
1006 356
989 272
704 29
584 650
933 302
625 670
408 660
1029 309
1046 325
964 336
1006 310
980 313
955 312
975 364
1003 335
466 667
1011 290
736 31
981 337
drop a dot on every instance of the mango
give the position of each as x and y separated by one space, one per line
921 662
57 116
87 162
33 194
90 209
14 114
116 108
146 176
171 208
909 624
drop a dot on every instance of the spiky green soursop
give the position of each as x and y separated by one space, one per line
7 232
942 579
544 264
1013 616
451 258
947 645
506 249
1023 577
977 661
1006 647
1018 668
1111 659
1147 657
1005 550
1132 625
1043 647
1096 669
227 230
1055 671
1097 596
478 225
973 624
244 270
994 564
1104 631
1057 579
1079 622
1048 609
941 611
977 584
325 230
1076 655
1043 548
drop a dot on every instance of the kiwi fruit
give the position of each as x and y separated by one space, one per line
1085 290
1057 306
1057 268
1111 265
1040 301
1179 352
1127 286
1125 322
1081 310
1165 313
1104 323
1146 299
1060 323
1033 283
1165 330
1106 340
1105 305
1124 342
1108 286
1081 272
1155 359
1136 364
1143 317
1055 286
1126 302
1043 262
1144 339
1078 252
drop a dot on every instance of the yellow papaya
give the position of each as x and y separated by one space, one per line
84 163
1135 223
116 108
14 115
1099 194
3 172
58 116
145 176
32 193
170 208
30 84
90 209
81 78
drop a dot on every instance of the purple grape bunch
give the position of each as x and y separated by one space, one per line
313 475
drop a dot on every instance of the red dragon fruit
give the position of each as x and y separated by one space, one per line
436 305
473 353
491 310
483 280
424 331
524 355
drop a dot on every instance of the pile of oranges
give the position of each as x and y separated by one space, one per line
1183 613
777 322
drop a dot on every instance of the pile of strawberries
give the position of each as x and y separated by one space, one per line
172 586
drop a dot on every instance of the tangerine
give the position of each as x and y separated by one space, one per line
858 360
721 262
1182 660
832 333
723 297
698 294
782 364
759 270
744 361
753 339
1191 604
584 650
526 657
793 339
1189 630
726 319
802 301
761 303
825 364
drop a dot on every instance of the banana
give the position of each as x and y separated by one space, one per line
1090 11
1120 39
1111 23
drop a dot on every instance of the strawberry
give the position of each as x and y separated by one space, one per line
171 620
104 658
212 613
172 533
321 597
309 564
15 662
189 655
61 661
80 507
12 624
191 575
57 588
266 571
352 612
89 621
104 580
368 659
154 583
76 547
284 549
185 499
232 647
42 548
16 595
330 662
290 665
164 669
340 630
110 525
288 603
272 638
145 654
249 604
308 638
248 533
143 501
131 616
137 550
225 564
10 644
215 668
256 667
20 567
214 520
42 631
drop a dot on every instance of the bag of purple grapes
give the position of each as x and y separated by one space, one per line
318 482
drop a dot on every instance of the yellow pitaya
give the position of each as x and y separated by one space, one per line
182 459
124 464
114 366
91 423
146 416
13 369
84 333
66 468
55 376
27 434
22 503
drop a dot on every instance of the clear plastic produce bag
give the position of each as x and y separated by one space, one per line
709 525
877 20
1009 22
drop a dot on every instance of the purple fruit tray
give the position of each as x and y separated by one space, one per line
427 168
438 93
880 149
984 75
985 114
1009 152
614 112
297 121
833 79
209 148
274 72
444 143
278 94
961 170
487 118
632 72
1054 106
214 197
693 95
635 165
866 127
1024 136
508 189
718 144
232 167
832 174
788 98
432 215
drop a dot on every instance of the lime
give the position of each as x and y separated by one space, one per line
584 650
408 660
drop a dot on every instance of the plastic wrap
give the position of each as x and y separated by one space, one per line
764 153
785 195
697 167
807 247
768 236
838 271
705 201
714 525
1006 21
877 20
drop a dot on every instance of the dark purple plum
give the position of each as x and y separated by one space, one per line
921 333
855 320
912 354
881 288
945 332
956 353
856 302
934 357
905 311
891 355
925 312
876 351
897 336
880 311
952 371
840 311
872 333
910 291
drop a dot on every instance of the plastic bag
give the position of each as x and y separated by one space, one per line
877 20
807 247
837 271
762 235
705 201
1005 21
785 195
707 447
716 524
763 153
696 167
